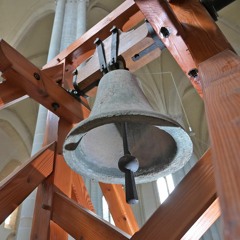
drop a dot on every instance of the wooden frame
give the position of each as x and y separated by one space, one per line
222 109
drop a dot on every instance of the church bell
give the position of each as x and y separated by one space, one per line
123 134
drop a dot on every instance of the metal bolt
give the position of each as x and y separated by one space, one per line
55 106
193 73
46 207
165 32
97 41
37 76
113 29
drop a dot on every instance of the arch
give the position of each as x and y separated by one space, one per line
19 126
35 14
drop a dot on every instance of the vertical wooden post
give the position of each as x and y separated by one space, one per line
61 179
221 89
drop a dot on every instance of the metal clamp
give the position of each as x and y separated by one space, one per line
114 64
101 55
157 43
115 61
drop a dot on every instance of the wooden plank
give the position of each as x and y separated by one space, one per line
121 211
10 94
20 72
80 193
42 211
60 179
84 224
190 199
198 24
204 222
43 207
188 21
55 73
19 184
221 84
130 43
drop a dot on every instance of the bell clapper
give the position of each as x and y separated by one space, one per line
128 164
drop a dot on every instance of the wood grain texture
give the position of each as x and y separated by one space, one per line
194 37
121 211
61 179
10 94
83 224
19 184
221 84
185 205
201 34
204 222
80 192
20 73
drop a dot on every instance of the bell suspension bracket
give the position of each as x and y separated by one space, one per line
156 44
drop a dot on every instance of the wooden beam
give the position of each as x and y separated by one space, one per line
121 211
221 89
80 193
201 34
19 184
83 224
127 14
194 37
61 179
10 94
185 205
23 74
202 224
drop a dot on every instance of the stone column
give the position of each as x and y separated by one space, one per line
69 23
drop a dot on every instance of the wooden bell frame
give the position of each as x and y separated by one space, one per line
62 204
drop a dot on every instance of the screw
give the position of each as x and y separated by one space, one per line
193 73
55 106
37 76
165 32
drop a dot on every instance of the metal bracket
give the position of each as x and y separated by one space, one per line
113 64
157 44
76 92
101 55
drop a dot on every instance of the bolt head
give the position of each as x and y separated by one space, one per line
37 76
193 73
55 106
165 32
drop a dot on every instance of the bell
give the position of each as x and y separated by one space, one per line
122 125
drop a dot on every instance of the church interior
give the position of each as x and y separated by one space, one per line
56 55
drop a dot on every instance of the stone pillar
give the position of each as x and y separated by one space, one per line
69 23
82 17
57 30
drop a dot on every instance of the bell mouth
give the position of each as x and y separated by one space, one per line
94 147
